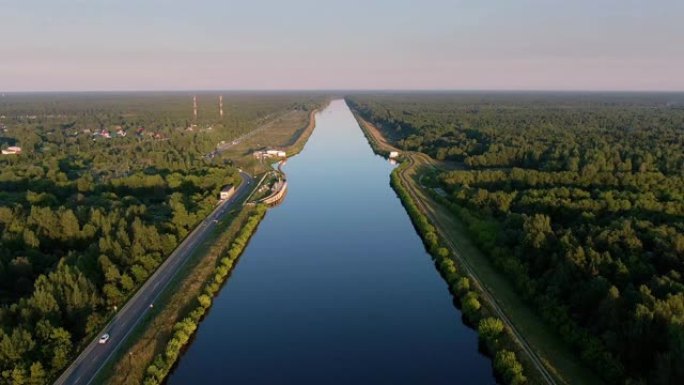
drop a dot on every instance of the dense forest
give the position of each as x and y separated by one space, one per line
106 186
578 199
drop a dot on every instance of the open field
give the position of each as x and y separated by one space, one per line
286 132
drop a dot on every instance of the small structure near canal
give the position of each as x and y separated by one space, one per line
226 192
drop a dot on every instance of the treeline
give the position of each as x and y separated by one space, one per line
160 128
578 133
579 200
66 263
183 330
496 339
85 220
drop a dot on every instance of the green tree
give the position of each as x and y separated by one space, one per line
37 374
490 328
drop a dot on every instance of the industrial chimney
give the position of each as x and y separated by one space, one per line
194 106
221 105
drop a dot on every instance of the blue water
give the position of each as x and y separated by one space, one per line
335 287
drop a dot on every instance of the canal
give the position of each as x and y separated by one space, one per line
335 287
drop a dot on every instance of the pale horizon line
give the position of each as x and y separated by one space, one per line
323 90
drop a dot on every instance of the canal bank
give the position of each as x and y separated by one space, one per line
152 335
335 286
546 358
144 356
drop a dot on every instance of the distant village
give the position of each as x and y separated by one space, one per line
119 132
116 132
104 133
11 150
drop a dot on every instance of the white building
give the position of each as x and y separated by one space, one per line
280 154
270 154
226 192
393 154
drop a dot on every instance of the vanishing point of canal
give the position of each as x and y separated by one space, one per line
335 287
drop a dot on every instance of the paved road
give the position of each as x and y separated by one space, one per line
86 366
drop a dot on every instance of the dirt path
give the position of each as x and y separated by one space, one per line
376 135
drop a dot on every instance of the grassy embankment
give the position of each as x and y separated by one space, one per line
377 141
529 329
299 138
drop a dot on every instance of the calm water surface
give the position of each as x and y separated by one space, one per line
335 286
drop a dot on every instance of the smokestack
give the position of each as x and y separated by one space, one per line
221 105
194 106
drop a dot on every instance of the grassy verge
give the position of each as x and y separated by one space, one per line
302 136
379 145
152 334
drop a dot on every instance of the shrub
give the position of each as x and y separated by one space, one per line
204 300
507 365
489 329
471 306
461 286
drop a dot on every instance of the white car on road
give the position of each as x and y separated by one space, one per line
103 340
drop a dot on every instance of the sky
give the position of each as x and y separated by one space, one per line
80 45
